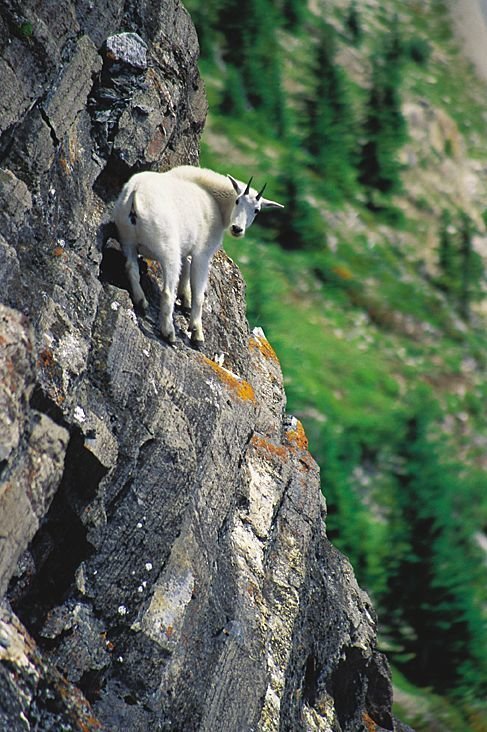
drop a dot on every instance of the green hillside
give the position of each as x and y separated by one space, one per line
369 124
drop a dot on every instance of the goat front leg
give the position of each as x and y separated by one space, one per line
199 278
133 274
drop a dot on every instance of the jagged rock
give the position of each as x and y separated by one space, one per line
162 521
32 446
33 695
127 48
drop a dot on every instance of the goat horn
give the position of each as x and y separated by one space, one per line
259 195
246 192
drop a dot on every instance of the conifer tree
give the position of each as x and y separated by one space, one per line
233 100
353 23
430 603
252 47
328 134
293 12
299 225
446 253
384 127
471 268
346 522
461 267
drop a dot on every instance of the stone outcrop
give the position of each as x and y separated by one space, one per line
164 563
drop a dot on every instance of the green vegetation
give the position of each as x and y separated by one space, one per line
370 126
461 268
432 565
24 29
329 130
384 127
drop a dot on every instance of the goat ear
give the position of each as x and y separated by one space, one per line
236 185
266 203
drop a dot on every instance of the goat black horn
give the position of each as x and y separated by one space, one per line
246 192
259 195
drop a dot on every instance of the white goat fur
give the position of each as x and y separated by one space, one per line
171 216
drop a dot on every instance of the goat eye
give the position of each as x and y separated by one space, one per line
237 201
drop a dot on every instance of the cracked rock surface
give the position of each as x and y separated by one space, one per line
163 557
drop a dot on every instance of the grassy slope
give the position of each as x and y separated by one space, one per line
379 323
352 346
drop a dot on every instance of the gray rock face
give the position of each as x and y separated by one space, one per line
161 522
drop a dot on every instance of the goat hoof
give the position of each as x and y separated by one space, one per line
185 302
197 345
142 305
197 335
169 337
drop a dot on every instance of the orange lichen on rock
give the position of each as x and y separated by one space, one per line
64 165
297 436
46 358
369 723
295 445
240 387
77 707
262 344
70 157
264 445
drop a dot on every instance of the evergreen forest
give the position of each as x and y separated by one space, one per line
369 124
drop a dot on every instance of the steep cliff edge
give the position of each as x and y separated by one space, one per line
163 556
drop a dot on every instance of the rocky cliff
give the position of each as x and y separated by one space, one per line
164 564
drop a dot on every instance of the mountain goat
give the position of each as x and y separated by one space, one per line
172 216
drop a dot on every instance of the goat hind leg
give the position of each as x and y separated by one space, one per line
168 297
184 287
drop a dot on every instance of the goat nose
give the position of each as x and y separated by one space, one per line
236 229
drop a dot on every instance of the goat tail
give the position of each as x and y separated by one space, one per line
133 212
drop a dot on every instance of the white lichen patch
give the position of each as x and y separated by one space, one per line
132 316
72 352
79 414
